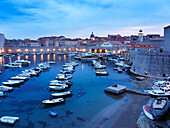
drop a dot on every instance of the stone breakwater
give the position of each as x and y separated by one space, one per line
150 63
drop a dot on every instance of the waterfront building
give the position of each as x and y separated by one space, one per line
167 38
140 36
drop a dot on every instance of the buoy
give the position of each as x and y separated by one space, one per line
48 124
39 105
47 88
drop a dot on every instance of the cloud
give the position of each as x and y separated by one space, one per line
25 18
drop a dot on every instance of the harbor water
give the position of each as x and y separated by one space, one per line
87 101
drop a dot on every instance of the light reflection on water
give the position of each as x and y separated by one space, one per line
48 57
34 57
42 57
26 57
54 59
18 58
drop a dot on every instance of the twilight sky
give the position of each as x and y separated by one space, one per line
21 19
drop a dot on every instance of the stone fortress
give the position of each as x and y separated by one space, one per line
152 63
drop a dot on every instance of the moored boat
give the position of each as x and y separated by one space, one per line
9 119
159 107
147 112
53 101
62 94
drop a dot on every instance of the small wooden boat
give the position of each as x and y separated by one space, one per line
159 107
62 94
53 101
8 119
147 112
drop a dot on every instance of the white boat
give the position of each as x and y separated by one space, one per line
25 75
68 82
62 94
44 65
147 112
20 78
57 88
51 62
31 72
119 70
164 92
9 119
101 72
63 76
23 62
13 65
13 82
140 78
58 84
74 63
53 101
2 94
5 88
89 57
100 66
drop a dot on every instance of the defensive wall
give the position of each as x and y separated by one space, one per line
151 63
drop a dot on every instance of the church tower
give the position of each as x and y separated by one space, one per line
92 37
140 36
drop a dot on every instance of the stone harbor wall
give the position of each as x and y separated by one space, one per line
150 63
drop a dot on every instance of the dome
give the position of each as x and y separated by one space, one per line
92 35
140 30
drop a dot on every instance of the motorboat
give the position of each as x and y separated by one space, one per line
119 70
25 75
140 78
94 62
53 101
23 62
44 65
74 63
101 72
2 94
20 78
37 69
51 62
159 107
163 92
13 82
63 76
5 88
100 66
57 88
62 94
13 65
147 112
9 119
68 82
58 84
89 57
66 71
78 57
31 72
